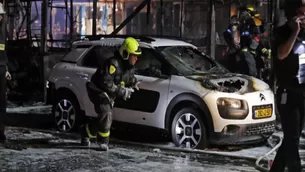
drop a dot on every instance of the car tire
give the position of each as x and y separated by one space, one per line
188 129
67 114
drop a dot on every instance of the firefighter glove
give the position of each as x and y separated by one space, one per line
8 75
127 93
136 86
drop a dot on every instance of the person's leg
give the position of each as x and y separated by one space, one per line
302 113
250 64
104 125
2 103
279 162
88 131
296 122
302 116
289 151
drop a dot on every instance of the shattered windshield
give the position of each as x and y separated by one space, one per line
188 60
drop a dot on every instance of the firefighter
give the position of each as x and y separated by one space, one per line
263 57
4 74
239 37
232 38
115 77
258 50
248 31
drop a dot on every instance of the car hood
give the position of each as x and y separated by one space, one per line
230 83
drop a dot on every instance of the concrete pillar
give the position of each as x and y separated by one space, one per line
94 17
212 30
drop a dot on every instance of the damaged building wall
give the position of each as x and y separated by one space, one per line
187 19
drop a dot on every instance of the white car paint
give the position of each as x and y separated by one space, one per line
74 77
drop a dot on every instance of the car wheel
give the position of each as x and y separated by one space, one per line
67 113
188 129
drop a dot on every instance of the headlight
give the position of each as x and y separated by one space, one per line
231 103
230 108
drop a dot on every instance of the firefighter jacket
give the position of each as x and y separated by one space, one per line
3 58
110 79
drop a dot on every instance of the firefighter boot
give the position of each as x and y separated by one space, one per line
103 147
103 143
2 139
86 135
85 141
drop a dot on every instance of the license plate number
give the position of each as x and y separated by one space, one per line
263 113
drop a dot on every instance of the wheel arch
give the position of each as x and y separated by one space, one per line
70 92
79 113
189 99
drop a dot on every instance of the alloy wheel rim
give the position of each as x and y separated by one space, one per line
65 115
188 130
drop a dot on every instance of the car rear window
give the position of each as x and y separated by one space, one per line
74 55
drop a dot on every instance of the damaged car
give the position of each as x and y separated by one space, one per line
183 92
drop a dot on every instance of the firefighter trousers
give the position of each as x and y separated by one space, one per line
99 127
247 64
2 101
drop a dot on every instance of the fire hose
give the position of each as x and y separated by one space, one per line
257 163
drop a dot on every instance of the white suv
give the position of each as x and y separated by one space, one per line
183 92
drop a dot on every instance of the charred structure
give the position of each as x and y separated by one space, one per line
40 32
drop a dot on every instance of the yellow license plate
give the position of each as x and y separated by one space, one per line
263 113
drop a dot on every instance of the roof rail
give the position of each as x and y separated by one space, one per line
99 37
144 38
166 36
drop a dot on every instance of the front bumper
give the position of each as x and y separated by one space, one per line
243 134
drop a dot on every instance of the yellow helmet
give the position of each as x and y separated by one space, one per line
251 7
254 14
130 46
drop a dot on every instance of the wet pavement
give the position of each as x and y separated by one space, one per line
38 151
39 148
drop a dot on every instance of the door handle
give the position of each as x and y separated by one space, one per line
82 74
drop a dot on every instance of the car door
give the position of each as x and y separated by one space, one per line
146 106
84 70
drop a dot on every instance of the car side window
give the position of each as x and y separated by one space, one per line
149 65
97 55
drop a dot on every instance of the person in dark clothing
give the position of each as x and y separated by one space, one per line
114 78
232 38
241 39
289 60
249 30
262 56
4 74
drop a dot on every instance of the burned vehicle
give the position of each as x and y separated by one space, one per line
183 92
